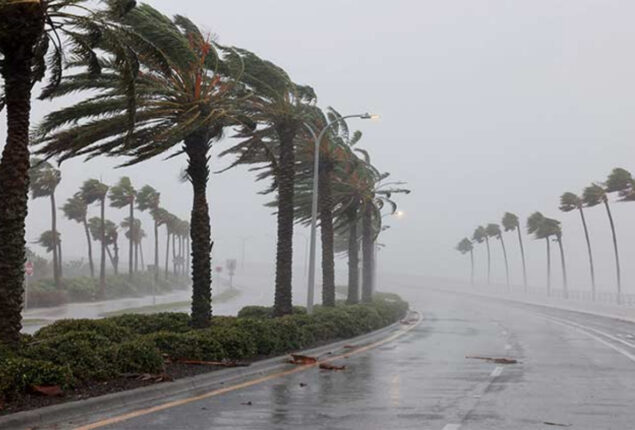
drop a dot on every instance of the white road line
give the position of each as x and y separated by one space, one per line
452 427
597 338
497 372
601 333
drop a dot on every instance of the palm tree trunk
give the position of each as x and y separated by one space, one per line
156 251
174 264
548 267
353 258
588 246
136 256
617 254
56 262
505 257
367 254
564 269
115 246
130 241
187 256
196 147
472 264
284 248
167 254
326 233
17 45
102 262
112 260
489 262
59 258
141 255
522 254
90 249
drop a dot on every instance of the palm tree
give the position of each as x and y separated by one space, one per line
180 98
121 195
49 240
111 235
570 202
37 29
494 230
465 246
76 210
480 236
594 195
281 107
44 179
93 191
557 232
510 223
148 199
543 228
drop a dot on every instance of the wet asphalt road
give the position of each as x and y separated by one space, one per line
574 371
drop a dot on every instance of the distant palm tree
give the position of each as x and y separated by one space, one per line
544 228
494 230
76 210
554 226
594 195
121 195
94 191
111 235
480 236
465 246
148 199
570 202
510 223
44 179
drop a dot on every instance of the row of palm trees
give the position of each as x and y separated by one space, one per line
619 181
153 85
44 179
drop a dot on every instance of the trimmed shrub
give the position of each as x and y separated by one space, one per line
144 324
84 352
17 375
187 346
236 343
81 289
137 356
265 311
103 327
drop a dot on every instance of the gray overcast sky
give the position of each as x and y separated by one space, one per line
486 106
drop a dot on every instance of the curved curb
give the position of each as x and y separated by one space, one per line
74 413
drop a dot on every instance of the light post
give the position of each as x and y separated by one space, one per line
314 200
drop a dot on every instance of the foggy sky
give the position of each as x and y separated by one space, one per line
487 107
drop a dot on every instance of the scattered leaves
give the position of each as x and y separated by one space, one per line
302 359
329 366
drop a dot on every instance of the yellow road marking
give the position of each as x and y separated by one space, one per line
217 392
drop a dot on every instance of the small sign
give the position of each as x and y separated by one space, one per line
28 268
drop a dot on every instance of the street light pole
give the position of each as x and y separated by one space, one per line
314 200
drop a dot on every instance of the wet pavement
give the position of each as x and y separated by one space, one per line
574 370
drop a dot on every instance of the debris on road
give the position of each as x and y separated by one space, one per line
302 359
329 366
247 403
497 360
303 384
556 424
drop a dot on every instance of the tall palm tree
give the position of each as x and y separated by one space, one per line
281 107
121 195
511 222
480 236
148 199
570 202
465 246
494 230
183 97
76 210
111 235
594 195
94 191
557 232
44 179
544 228
37 29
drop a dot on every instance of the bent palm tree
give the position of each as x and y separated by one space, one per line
93 191
111 235
543 228
494 230
465 246
510 223
594 195
480 236
44 179
121 195
570 202
76 210
148 199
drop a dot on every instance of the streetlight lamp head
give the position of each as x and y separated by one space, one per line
369 116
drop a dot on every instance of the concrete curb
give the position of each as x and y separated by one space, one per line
72 414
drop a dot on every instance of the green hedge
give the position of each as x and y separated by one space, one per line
70 352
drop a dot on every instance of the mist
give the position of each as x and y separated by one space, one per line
486 106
